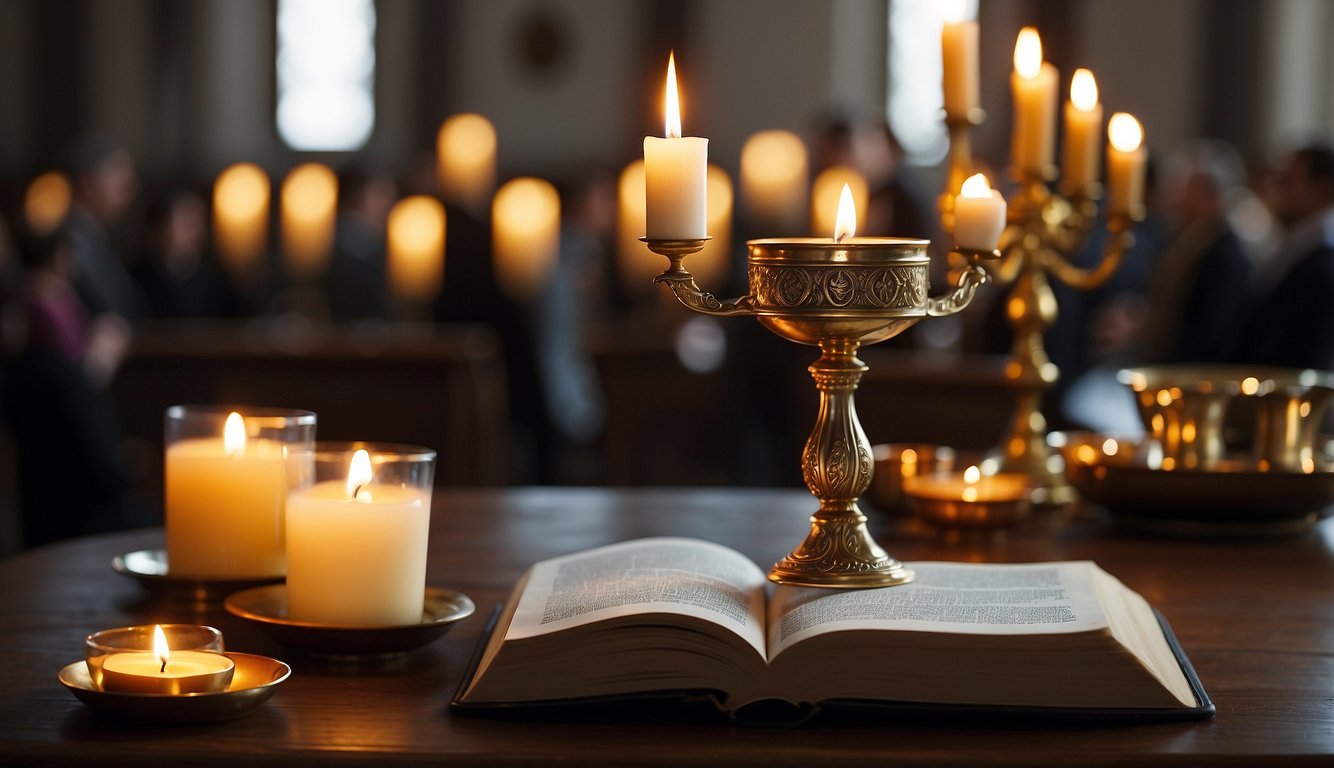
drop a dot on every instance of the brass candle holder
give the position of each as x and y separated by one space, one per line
836 296
1043 231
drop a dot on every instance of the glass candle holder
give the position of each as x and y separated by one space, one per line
188 670
228 471
356 535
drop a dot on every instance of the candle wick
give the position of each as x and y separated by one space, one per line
357 491
163 670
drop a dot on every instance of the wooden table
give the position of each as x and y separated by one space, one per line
1255 616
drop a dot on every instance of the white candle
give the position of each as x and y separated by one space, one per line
1125 164
1083 129
357 551
308 201
224 500
241 216
466 160
1034 87
958 48
163 671
675 173
415 242
525 236
979 215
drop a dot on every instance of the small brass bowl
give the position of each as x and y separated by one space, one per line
255 680
1000 501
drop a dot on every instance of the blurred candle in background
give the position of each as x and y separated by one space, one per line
308 200
1034 85
958 48
1083 132
636 265
46 202
241 216
1125 164
825 194
525 236
773 183
466 161
416 247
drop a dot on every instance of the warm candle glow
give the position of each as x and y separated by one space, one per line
1028 53
826 192
466 159
1084 90
1124 132
160 648
773 181
711 264
525 235
308 198
233 435
976 186
241 214
416 246
845 223
359 476
954 11
673 100
972 475
46 202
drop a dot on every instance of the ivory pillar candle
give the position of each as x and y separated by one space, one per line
308 201
675 176
241 215
1083 133
466 160
1125 164
525 236
958 49
773 182
979 215
415 234
357 540
1034 86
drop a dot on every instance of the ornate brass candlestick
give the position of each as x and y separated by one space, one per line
836 296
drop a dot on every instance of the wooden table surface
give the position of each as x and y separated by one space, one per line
1255 616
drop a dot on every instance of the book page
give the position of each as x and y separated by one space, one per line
1037 598
662 575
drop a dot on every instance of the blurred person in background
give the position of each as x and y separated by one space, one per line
357 284
175 271
105 184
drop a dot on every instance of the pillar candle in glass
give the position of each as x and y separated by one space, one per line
356 535
1034 89
675 169
227 474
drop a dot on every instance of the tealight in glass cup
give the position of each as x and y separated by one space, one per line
228 470
181 638
356 535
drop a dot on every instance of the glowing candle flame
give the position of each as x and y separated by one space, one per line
1028 53
359 476
1125 132
972 475
233 435
673 100
160 648
845 224
976 186
954 11
1083 90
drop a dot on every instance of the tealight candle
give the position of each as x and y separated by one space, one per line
356 537
675 176
970 499
979 215
162 671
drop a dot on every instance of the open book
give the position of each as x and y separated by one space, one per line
670 614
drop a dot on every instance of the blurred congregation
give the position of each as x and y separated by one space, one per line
466 274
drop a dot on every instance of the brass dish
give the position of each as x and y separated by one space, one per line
1234 497
149 568
256 679
267 606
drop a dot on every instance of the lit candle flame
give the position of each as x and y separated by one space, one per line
972 475
233 435
673 100
976 186
954 11
1084 90
1028 53
1125 132
359 476
160 648
845 224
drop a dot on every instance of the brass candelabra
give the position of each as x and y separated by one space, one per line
1043 231
836 296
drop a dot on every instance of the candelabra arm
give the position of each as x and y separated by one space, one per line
962 295
1088 279
683 285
